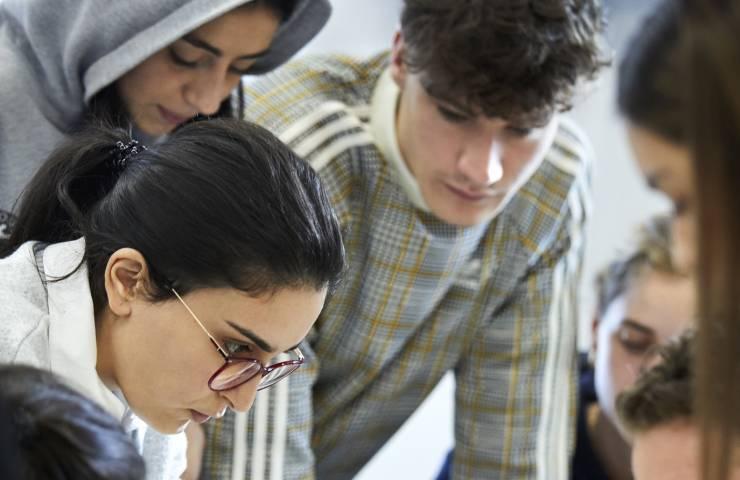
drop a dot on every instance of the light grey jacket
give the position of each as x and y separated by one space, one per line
51 326
55 55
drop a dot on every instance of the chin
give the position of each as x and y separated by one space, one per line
167 426
464 220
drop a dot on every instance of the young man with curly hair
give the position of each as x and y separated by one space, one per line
463 194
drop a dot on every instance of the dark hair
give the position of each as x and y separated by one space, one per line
59 434
221 203
106 106
662 394
713 115
520 61
8 445
650 92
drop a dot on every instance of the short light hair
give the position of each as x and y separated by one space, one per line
664 393
653 250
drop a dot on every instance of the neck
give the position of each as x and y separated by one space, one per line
105 365
612 450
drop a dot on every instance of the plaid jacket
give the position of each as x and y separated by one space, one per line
495 303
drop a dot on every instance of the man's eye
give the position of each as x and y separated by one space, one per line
452 116
637 343
519 131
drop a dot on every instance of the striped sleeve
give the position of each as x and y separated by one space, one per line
515 396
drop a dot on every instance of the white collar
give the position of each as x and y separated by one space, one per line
72 345
383 127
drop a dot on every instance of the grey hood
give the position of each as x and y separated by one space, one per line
77 47
55 55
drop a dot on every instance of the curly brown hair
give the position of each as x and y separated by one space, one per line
514 59
664 393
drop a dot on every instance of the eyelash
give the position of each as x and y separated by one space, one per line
452 117
520 131
234 348
179 61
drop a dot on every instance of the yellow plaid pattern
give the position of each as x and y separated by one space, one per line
495 303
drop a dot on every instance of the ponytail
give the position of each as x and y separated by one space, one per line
54 205
218 203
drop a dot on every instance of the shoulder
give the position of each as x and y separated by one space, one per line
554 205
299 88
23 309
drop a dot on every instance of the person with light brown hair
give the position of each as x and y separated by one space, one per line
644 301
659 414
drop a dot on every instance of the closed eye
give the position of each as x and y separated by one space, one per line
519 131
182 61
451 115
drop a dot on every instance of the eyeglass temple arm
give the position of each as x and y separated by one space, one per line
220 349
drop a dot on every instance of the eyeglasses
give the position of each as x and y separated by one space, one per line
237 371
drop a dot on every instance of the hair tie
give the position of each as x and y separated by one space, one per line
123 152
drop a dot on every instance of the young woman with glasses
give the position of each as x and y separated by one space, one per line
172 282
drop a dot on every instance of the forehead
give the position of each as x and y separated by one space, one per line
662 301
508 111
243 30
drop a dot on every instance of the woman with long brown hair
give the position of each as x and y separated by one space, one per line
713 55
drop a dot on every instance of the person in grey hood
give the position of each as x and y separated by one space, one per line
153 65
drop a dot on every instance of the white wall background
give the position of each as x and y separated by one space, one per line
621 201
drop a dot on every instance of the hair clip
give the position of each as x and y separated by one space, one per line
123 152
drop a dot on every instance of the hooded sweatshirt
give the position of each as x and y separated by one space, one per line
55 55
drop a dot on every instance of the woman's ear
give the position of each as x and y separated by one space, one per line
126 276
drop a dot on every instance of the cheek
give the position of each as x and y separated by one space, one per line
150 82
614 371
624 368
229 85
520 158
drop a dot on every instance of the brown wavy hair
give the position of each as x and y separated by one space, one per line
517 60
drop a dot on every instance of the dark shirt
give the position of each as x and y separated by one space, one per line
585 464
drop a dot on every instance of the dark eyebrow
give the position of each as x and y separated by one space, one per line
252 336
637 326
198 43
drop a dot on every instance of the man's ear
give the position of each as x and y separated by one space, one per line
594 337
397 66
126 276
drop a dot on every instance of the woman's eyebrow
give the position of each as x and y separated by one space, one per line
262 344
198 43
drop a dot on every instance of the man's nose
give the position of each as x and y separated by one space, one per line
481 163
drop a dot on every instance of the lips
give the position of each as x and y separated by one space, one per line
172 117
470 196
199 417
